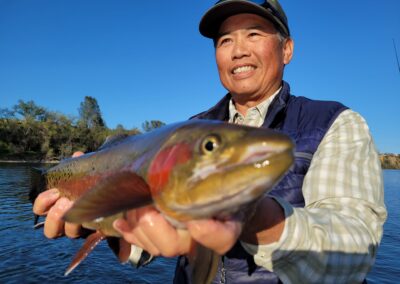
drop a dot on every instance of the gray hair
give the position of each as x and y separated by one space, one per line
281 36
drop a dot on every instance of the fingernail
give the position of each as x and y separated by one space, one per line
117 224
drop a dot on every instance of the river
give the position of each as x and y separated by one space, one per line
26 256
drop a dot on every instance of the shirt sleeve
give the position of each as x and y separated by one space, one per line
135 255
334 238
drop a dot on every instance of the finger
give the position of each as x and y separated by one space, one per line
147 228
216 235
73 230
45 201
126 231
161 234
131 229
54 224
146 242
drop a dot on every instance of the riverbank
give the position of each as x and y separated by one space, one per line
390 161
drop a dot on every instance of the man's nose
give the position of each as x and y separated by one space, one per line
240 49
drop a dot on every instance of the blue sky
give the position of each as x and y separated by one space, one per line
145 60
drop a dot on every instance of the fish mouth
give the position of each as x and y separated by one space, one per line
259 155
262 155
226 204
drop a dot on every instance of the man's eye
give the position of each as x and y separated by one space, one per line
253 34
224 41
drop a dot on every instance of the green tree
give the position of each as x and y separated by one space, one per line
90 114
120 129
30 132
29 110
58 130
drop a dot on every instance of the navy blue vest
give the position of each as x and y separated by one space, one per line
306 122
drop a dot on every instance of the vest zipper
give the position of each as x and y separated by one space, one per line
303 155
222 279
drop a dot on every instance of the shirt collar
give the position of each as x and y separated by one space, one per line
257 112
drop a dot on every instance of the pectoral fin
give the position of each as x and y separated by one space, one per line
203 264
119 192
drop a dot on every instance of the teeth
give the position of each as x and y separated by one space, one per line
242 69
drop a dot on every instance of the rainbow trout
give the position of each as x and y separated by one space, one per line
190 170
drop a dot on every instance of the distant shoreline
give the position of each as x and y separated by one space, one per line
388 161
28 162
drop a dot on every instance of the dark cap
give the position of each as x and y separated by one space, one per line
269 9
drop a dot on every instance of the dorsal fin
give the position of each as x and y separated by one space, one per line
112 140
117 193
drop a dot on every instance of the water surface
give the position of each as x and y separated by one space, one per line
26 256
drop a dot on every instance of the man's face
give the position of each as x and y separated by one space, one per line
250 57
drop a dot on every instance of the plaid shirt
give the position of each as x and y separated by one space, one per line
255 116
334 238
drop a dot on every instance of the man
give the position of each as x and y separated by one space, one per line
323 221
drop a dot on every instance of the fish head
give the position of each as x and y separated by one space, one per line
208 169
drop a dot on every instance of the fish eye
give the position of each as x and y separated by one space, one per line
210 144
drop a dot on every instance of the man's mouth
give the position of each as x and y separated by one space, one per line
243 69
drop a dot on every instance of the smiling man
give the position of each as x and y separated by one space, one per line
322 223
251 56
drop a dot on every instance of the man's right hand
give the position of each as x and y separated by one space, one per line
50 204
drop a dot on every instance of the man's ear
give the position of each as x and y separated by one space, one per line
288 46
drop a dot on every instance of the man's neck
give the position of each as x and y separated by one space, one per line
243 106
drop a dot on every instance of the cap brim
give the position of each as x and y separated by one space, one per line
213 18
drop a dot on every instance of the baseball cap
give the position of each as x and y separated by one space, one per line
269 9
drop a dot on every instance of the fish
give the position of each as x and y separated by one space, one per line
196 169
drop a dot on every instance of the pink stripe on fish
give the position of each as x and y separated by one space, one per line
164 162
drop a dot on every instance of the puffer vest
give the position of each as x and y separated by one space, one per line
306 122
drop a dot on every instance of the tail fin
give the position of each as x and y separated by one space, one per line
38 184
